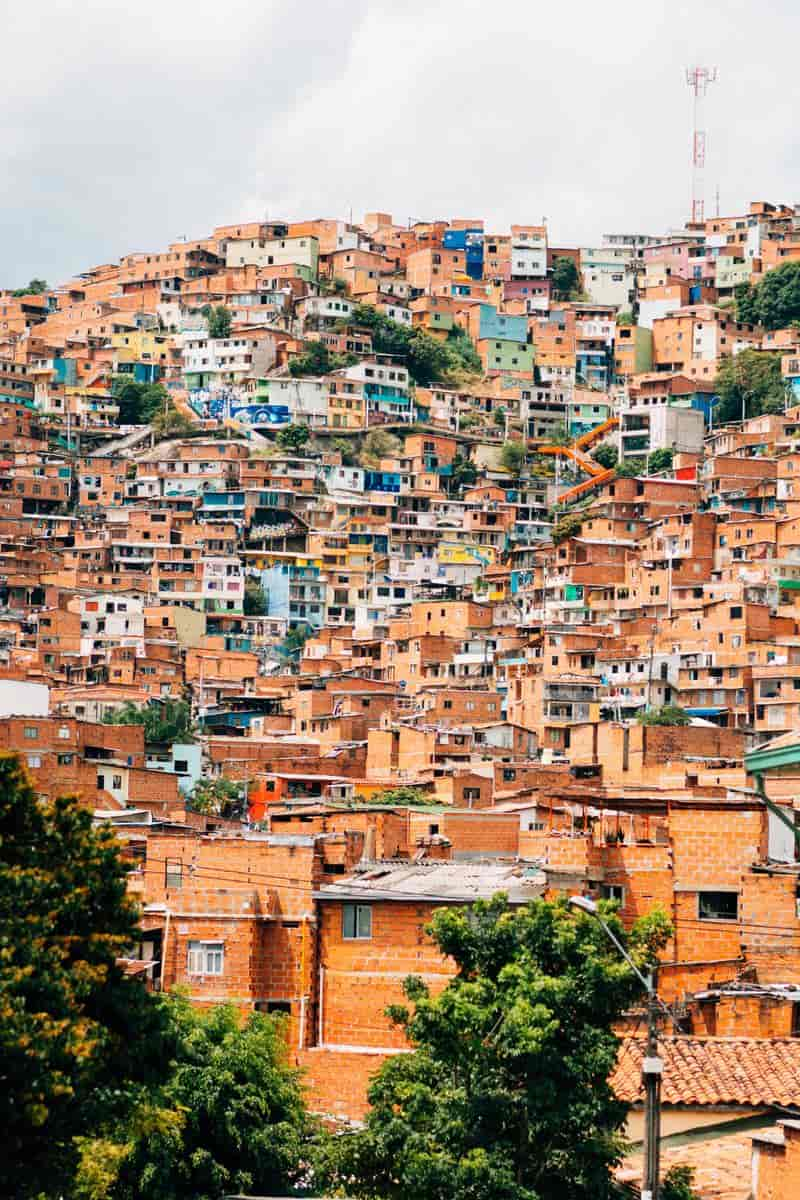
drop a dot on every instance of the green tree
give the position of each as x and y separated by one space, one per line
294 438
78 1038
677 1184
463 474
168 422
346 448
630 468
512 457
316 359
660 460
461 346
606 455
774 302
499 417
750 383
506 1094
138 403
239 1122
255 599
295 640
625 318
218 797
566 279
406 797
429 360
668 714
568 525
378 444
559 435
164 721
35 288
219 320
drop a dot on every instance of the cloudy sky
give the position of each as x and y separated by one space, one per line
122 129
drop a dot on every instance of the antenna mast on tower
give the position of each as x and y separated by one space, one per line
698 79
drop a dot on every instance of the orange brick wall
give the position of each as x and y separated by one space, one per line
776 1169
360 978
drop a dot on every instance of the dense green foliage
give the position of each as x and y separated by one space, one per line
317 359
428 359
230 1117
625 318
219 320
660 460
169 422
378 444
512 457
138 403
164 722
294 438
78 1038
749 383
677 1184
255 599
668 714
36 287
566 279
606 455
411 797
506 1095
566 526
463 474
775 301
218 797
629 468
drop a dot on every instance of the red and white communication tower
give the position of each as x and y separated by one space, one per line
698 79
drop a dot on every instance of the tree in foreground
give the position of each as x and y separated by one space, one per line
230 1119
219 797
566 279
512 457
606 455
506 1094
79 1040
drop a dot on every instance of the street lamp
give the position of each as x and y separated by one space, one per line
652 1065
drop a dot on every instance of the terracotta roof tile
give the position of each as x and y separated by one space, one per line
715 1070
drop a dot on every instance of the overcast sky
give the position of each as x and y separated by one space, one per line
122 129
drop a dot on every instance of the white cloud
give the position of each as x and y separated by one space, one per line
122 133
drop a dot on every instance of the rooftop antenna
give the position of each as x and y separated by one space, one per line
698 79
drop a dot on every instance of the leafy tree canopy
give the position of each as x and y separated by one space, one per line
219 320
378 444
625 318
512 457
169 422
629 468
428 359
255 599
35 288
660 460
138 403
567 526
668 714
506 1094
317 359
78 1038
775 301
164 723
749 383
566 279
218 797
411 797
463 474
294 438
230 1118
606 455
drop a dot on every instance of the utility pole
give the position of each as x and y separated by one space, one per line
652 1068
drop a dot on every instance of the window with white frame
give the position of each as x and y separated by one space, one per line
206 958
